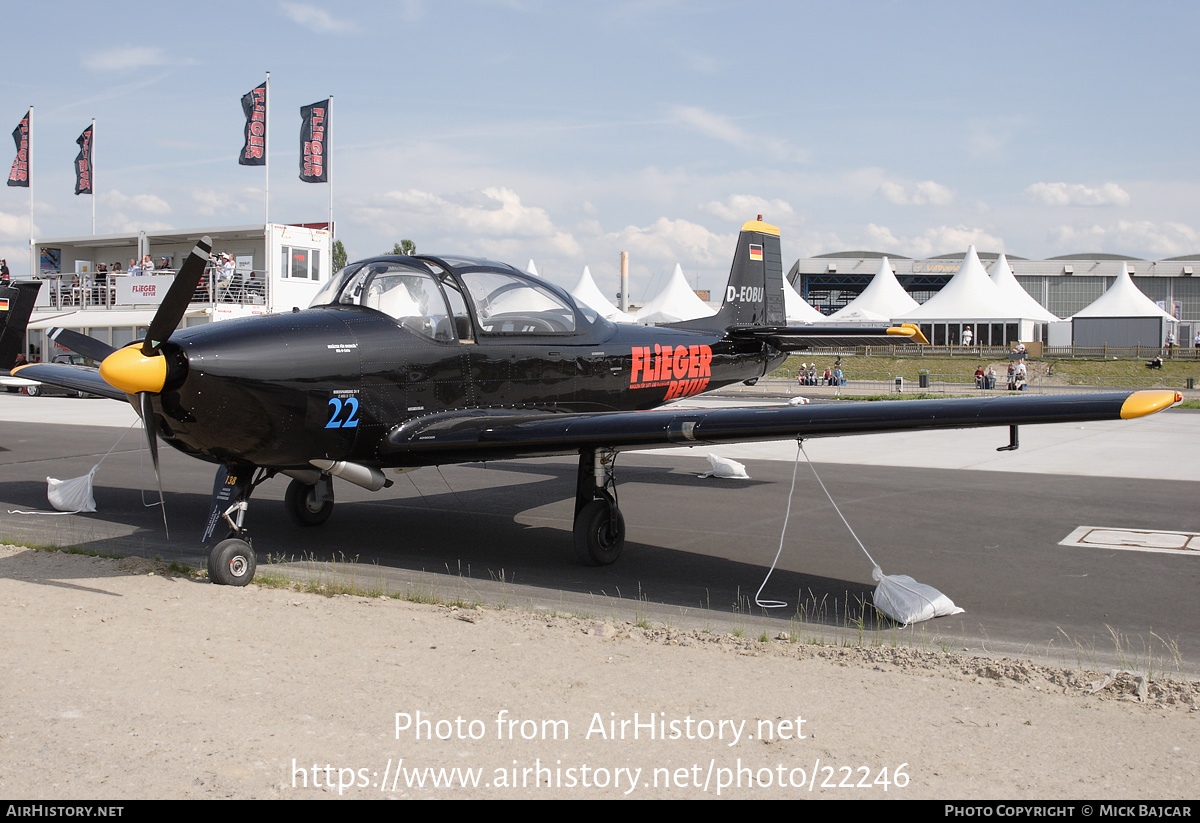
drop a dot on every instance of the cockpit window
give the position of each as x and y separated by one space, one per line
407 294
509 304
328 292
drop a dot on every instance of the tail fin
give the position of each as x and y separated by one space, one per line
754 295
16 305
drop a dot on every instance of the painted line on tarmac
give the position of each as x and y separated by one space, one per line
1136 540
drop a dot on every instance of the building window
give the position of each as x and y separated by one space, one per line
300 264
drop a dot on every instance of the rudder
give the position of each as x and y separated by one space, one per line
16 305
754 294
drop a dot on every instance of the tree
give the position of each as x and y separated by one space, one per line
339 255
405 247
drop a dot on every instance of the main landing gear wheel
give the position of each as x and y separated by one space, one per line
231 563
599 533
304 506
33 391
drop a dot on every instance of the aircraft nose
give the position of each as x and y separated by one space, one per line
131 371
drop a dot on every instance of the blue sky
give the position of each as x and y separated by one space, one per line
568 132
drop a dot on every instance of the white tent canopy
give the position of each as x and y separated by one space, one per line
882 299
588 293
969 295
1121 317
674 303
797 309
1003 277
971 299
1123 299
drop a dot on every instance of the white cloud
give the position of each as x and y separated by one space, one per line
719 127
987 141
494 213
937 240
738 208
142 203
14 225
210 202
667 242
924 193
1138 237
1076 194
127 58
316 19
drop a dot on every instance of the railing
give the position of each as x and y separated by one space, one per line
1006 353
100 290
871 383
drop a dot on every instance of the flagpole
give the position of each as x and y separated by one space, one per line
329 161
267 151
29 177
93 164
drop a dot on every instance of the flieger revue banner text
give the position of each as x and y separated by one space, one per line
83 163
254 106
19 174
314 142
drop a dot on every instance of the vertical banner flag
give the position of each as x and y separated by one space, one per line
314 142
254 105
19 175
83 163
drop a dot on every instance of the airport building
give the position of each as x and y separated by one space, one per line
1063 285
88 286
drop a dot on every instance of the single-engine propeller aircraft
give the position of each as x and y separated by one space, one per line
402 362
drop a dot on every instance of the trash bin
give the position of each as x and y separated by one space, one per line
1191 382
923 379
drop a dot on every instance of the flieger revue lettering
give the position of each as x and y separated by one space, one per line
684 370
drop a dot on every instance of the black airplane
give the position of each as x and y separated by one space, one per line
402 362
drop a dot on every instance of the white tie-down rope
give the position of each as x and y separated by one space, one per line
907 584
89 475
877 574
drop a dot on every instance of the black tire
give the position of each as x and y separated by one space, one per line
599 536
231 563
302 507
33 391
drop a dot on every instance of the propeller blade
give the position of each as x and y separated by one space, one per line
80 343
150 425
175 304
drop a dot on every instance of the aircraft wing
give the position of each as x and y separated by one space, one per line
76 378
495 434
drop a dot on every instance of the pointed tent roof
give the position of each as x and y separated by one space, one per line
1003 277
1123 299
882 299
970 295
588 293
532 269
797 309
675 302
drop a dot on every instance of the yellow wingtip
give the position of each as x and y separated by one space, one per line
1142 403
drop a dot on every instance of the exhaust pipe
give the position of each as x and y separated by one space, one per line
369 477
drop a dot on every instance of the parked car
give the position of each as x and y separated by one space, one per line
34 389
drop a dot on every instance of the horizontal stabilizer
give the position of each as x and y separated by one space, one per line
799 338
